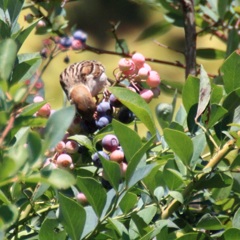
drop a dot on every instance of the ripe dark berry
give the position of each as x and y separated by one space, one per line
80 35
65 42
114 101
103 121
104 107
125 115
96 160
66 59
110 142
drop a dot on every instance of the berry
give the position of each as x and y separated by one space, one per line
103 121
114 101
110 142
147 95
156 92
71 146
29 18
41 24
138 59
65 42
44 111
80 35
60 147
76 44
82 198
66 59
143 73
147 66
123 168
38 99
164 110
104 107
125 115
127 66
96 160
117 156
64 160
153 79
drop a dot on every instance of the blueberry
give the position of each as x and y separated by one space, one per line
125 115
110 142
114 101
80 35
103 121
96 160
104 107
66 42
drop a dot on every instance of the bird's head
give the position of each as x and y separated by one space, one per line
83 100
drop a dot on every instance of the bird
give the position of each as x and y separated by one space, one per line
81 82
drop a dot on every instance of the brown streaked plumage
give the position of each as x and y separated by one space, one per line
81 82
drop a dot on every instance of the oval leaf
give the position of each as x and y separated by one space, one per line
137 105
180 143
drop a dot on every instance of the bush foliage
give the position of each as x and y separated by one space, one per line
182 179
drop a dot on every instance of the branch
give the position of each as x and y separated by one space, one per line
190 36
174 205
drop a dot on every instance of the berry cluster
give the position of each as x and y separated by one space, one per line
143 79
112 151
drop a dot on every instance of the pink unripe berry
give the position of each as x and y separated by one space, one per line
60 147
138 59
127 66
71 146
44 111
147 66
143 73
110 142
123 168
41 24
64 160
38 99
153 79
117 156
147 95
82 198
76 44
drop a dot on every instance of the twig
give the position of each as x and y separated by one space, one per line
174 205
190 36
167 47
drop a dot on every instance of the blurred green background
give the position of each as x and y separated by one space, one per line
94 17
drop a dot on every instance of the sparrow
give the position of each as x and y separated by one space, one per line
81 82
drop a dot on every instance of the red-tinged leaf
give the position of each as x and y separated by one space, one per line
204 93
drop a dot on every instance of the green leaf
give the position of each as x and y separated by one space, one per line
236 219
204 93
136 159
26 67
21 37
8 215
209 222
210 53
4 198
32 108
8 53
180 143
57 125
175 18
83 141
58 178
158 28
72 216
112 172
137 105
190 92
124 133
94 192
118 227
172 178
177 195
232 41
231 234
121 46
193 236
231 72
128 202
217 112
222 7
49 230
